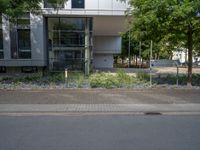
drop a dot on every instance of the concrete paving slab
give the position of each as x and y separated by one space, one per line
99 108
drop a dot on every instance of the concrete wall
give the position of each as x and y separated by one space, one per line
109 25
38 41
38 50
92 7
107 44
103 61
6 38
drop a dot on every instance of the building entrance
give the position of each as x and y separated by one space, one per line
69 43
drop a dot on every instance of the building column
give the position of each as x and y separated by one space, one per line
87 47
6 37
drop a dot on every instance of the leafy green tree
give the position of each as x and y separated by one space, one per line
125 45
14 8
172 21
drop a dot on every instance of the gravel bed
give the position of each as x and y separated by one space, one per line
14 86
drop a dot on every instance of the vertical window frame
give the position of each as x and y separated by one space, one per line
20 28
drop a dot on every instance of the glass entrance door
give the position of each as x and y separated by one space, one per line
70 59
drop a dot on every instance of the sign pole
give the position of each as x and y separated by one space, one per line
66 78
150 67
129 48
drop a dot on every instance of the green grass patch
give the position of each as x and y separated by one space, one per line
142 76
107 80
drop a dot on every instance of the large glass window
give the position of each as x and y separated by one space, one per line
66 42
20 38
70 59
72 39
77 24
23 37
66 32
78 4
24 43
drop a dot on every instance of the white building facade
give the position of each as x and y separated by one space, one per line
81 34
182 56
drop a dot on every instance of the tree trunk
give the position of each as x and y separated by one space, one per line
190 48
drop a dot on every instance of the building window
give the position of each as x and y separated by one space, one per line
66 32
52 4
66 42
24 43
78 4
20 38
1 40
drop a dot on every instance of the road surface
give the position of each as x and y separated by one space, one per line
112 132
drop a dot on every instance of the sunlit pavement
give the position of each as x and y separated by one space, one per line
117 132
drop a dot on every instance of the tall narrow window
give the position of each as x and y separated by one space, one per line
1 39
20 38
78 4
24 37
24 43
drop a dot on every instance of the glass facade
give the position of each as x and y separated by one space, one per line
78 3
66 42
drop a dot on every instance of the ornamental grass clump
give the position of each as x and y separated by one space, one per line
108 80
124 79
103 80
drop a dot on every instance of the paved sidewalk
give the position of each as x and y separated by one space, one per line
101 96
133 108
100 100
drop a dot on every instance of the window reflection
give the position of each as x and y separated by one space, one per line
66 42
66 32
53 4
78 4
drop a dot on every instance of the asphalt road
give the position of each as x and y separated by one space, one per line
100 132
101 96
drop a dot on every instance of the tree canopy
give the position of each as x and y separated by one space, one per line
13 8
172 22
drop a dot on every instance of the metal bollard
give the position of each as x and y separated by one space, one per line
66 77
177 77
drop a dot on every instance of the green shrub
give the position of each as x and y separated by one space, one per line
125 79
196 79
103 80
80 81
6 78
142 76
106 80
56 77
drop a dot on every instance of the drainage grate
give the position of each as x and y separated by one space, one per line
153 113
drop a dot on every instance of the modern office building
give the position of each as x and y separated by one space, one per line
81 34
